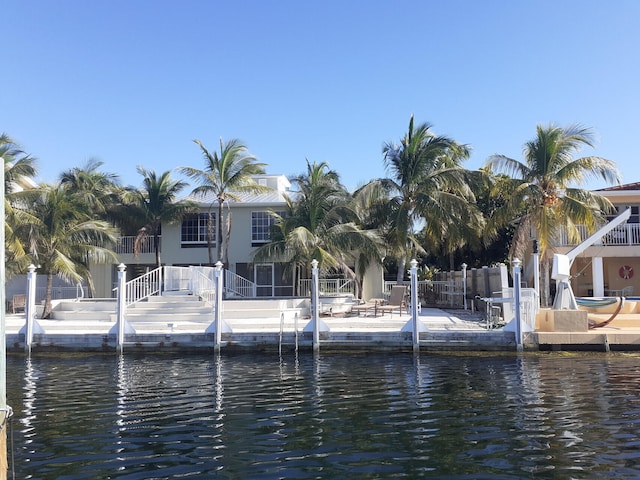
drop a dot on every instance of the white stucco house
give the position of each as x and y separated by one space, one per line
185 244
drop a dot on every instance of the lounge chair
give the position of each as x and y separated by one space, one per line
396 300
368 307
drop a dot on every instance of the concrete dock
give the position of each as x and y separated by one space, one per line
443 330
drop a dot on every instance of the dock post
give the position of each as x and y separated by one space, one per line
30 308
315 307
414 305
516 294
218 307
464 285
121 306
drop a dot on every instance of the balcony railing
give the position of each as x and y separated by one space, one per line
624 235
125 245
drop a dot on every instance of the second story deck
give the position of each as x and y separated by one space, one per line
622 236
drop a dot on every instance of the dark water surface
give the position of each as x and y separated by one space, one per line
331 416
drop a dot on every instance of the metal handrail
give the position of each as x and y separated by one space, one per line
238 285
204 287
144 286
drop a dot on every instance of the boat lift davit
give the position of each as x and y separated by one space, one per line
561 270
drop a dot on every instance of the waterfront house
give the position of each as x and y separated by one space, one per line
185 244
611 266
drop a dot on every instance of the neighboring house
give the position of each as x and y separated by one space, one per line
185 243
613 264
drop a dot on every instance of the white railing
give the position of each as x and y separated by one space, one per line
203 284
126 244
328 286
60 293
236 285
624 235
177 278
144 286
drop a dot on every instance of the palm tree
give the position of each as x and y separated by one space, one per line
99 190
62 237
225 174
17 164
426 186
544 188
321 223
19 169
154 204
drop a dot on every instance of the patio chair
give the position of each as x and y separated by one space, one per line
396 300
370 306
18 302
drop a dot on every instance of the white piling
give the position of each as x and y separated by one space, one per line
315 304
516 294
30 308
121 306
218 307
414 305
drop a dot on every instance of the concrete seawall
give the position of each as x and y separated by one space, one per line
443 331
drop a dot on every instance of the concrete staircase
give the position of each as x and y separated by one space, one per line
180 312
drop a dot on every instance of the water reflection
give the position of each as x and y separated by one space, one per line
28 415
326 416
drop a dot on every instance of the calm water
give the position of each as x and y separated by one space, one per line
333 416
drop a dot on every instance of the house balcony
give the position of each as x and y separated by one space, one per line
125 245
623 236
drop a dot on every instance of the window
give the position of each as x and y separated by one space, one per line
194 229
261 223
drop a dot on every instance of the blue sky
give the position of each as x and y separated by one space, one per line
134 82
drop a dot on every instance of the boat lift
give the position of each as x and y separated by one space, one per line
561 270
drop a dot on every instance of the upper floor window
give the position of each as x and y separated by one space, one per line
194 229
635 213
261 223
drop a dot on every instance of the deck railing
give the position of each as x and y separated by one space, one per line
236 285
177 278
203 284
328 286
125 245
624 235
144 286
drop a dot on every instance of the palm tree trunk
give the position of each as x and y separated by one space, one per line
402 263
227 237
545 281
219 232
47 296
295 289
156 246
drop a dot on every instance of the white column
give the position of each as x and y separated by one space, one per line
536 273
30 308
121 305
414 325
464 285
315 307
218 307
516 294
414 305
597 273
